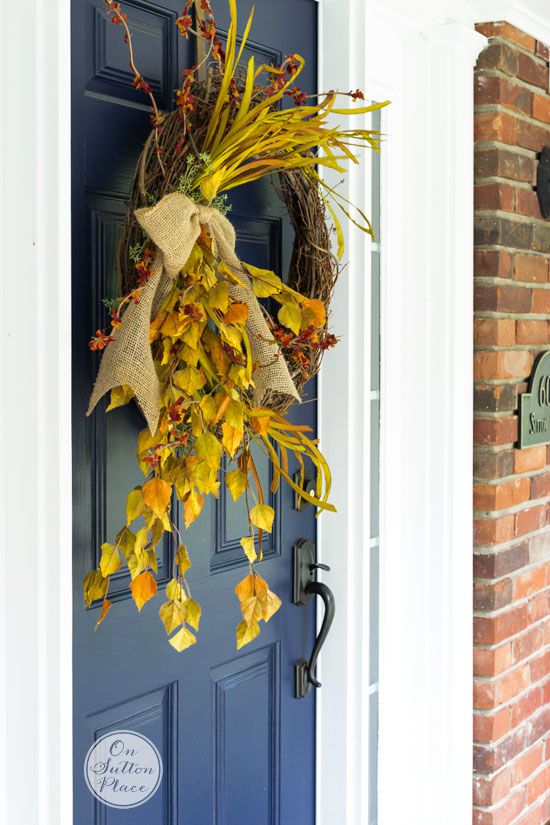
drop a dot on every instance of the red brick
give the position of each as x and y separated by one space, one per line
540 666
489 531
542 50
490 791
490 661
510 685
527 764
496 126
489 759
495 397
530 582
539 606
526 706
501 563
541 301
503 163
529 459
499 56
532 136
504 814
490 464
493 431
540 486
527 644
502 364
541 107
501 496
532 71
539 725
489 263
527 203
538 785
492 595
502 299
537 815
530 268
495 332
508 32
527 521
534 333
489 630
494 196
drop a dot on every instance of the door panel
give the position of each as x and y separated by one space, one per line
237 748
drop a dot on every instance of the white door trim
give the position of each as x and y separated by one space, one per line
408 52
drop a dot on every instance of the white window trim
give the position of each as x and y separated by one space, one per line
35 452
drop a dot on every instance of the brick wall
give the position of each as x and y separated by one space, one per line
511 486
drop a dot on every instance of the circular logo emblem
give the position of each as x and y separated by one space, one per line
123 769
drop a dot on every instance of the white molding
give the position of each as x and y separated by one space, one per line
35 447
394 50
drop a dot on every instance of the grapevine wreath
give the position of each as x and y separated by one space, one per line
214 368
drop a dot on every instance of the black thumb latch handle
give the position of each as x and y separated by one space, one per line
305 587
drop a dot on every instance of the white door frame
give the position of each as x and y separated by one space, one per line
425 736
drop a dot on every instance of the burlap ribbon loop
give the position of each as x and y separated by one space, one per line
174 224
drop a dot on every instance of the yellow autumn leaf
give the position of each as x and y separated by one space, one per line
264 282
119 397
209 449
189 380
183 639
247 543
125 541
142 536
94 586
157 531
175 591
290 315
235 414
143 588
231 438
134 505
209 186
246 633
192 613
110 560
236 314
208 408
152 560
192 507
156 495
182 559
236 482
314 313
136 564
262 515
218 296
104 610
261 421
245 588
172 615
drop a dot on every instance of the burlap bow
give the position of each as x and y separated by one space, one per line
173 225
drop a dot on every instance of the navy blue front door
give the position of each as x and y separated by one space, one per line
237 747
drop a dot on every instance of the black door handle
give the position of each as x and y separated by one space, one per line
305 587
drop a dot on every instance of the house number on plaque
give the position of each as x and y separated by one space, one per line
534 411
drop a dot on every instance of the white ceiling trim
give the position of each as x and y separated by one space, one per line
531 16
